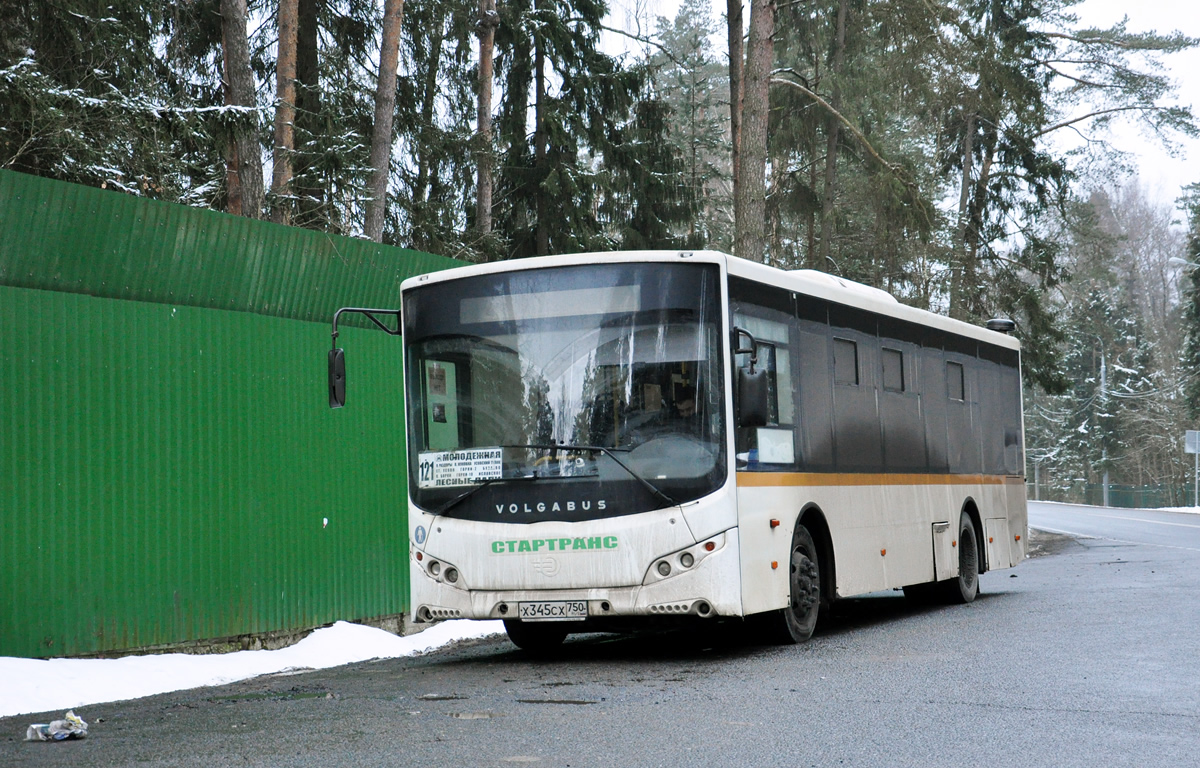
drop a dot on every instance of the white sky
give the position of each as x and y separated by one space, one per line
56 685
1162 175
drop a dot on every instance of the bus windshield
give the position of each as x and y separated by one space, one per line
565 393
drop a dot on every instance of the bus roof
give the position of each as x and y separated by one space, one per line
809 282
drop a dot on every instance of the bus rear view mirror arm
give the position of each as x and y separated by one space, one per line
337 357
751 350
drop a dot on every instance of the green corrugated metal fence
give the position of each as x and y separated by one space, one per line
171 473
66 237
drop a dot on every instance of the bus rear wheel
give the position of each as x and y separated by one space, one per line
964 587
799 619
535 637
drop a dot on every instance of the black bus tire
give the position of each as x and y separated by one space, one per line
535 637
964 587
798 620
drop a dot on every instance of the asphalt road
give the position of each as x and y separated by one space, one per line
1085 655
1152 527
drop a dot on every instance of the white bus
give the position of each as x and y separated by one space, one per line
601 440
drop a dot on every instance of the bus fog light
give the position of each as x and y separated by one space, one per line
686 560
664 568
435 567
451 575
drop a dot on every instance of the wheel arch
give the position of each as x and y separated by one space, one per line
971 510
812 518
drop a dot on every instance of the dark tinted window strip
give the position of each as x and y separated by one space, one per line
761 295
890 328
903 330
854 319
999 355
812 310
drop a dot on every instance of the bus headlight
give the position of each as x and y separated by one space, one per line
443 572
661 568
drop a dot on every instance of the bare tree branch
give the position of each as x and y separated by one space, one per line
1097 113
895 169
1112 43
1080 80
644 41
841 118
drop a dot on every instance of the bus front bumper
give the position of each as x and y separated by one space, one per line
708 590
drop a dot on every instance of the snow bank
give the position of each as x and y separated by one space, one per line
38 685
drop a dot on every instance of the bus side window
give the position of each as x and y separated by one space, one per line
774 443
955 383
893 369
845 362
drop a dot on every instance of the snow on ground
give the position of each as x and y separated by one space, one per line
39 685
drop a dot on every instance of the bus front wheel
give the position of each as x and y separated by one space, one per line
964 587
799 619
535 637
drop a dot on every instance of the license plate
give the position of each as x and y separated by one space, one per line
553 610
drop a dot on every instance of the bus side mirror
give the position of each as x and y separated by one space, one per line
337 378
337 358
751 384
752 397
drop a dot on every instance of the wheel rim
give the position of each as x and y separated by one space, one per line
806 585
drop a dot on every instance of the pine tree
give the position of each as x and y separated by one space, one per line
244 179
692 84
85 96
285 112
485 28
649 204
549 184
851 190
1024 71
1121 411
435 160
385 109
1191 303
749 195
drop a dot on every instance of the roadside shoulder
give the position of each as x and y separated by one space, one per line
1044 543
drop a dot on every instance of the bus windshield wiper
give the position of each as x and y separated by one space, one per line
472 491
610 453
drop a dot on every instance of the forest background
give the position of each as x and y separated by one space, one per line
956 153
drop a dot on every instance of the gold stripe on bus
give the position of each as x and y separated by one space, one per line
805 479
